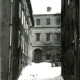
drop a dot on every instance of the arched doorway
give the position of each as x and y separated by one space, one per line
37 56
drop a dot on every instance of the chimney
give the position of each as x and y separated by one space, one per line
49 9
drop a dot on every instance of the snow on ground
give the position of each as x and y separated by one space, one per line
40 71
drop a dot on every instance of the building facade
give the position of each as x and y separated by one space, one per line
25 24
70 32
16 21
45 37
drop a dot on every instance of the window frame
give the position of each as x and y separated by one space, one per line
37 36
38 22
47 36
48 56
68 2
58 20
48 21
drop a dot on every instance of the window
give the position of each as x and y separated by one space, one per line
48 21
24 22
48 57
21 61
48 36
58 38
68 2
37 36
58 21
19 10
22 17
38 21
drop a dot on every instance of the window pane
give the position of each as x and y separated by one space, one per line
58 38
38 21
48 57
68 2
48 36
58 21
19 10
37 36
48 21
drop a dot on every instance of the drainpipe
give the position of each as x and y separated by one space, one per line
10 46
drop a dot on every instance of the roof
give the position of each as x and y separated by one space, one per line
57 14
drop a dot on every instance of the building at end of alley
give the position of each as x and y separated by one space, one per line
46 37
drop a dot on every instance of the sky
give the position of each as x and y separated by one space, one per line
40 6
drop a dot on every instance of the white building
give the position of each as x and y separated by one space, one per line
46 36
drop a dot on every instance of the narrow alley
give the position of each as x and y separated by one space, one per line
39 40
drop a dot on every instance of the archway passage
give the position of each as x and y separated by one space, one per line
37 56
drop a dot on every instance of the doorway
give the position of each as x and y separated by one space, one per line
37 56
